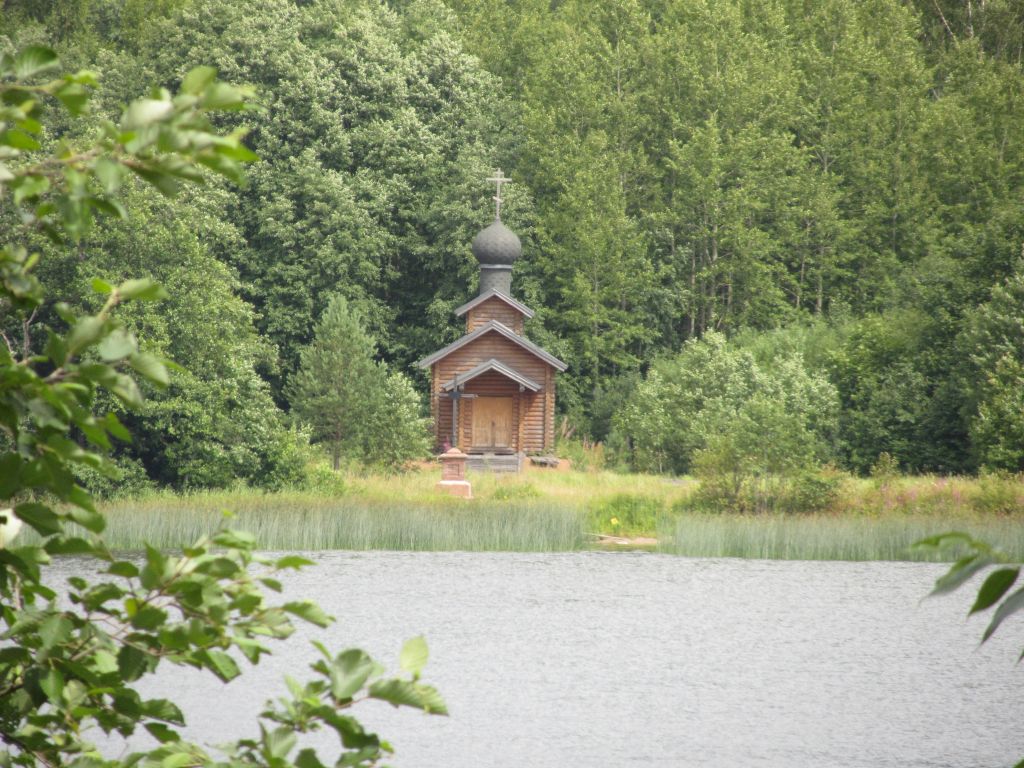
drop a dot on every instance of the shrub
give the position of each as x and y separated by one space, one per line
583 454
999 493
813 491
320 478
885 469
802 492
627 513
712 389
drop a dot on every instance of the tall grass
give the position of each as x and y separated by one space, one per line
827 537
307 522
554 511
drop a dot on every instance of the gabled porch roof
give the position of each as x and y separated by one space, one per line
493 365
503 330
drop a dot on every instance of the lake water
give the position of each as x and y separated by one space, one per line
635 659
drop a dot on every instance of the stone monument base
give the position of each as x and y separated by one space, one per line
460 488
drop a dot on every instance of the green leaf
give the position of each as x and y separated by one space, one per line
349 672
270 583
995 586
14 655
403 693
54 630
52 684
27 187
131 663
945 539
23 565
223 96
73 96
19 140
89 519
116 428
95 433
224 166
9 470
86 331
149 617
104 662
197 80
117 345
166 184
251 649
127 391
292 561
101 287
144 112
33 60
40 517
279 742
235 539
151 368
143 289
179 760
234 149
961 572
123 568
162 733
110 174
414 655
103 593
307 758
308 611
55 349
162 709
108 207
222 665
69 545
1009 606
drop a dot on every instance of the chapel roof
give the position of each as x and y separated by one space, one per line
501 329
494 293
494 365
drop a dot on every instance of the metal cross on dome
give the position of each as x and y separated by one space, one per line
499 179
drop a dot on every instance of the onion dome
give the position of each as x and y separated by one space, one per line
497 244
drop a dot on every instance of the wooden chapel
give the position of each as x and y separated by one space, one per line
493 390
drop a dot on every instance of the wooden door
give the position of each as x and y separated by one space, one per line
492 422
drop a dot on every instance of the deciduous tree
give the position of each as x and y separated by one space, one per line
70 664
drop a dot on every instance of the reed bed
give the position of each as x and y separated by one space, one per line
555 510
828 537
322 524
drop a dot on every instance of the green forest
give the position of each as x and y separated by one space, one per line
778 233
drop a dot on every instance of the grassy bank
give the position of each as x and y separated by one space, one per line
555 511
827 537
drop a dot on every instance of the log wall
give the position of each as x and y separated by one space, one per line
533 413
494 309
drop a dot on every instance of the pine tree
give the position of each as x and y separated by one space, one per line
337 381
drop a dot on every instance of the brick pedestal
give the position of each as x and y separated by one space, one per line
453 474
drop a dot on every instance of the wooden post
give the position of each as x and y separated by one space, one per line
522 406
455 396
